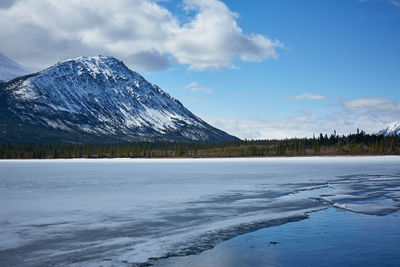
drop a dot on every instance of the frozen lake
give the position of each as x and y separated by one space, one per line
116 212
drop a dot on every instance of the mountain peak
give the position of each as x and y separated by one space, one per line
101 98
97 60
10 69
93 64
392 129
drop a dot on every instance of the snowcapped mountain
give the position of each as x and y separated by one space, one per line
92 99
10 69
392 129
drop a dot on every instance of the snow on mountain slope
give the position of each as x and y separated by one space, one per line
392 129
10 69
100 96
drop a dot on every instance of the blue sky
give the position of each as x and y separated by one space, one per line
284 69
341 50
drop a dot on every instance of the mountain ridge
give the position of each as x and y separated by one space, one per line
391 129
98 99
10 69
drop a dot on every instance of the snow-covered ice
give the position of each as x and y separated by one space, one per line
117 212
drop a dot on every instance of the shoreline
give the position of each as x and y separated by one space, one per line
203 158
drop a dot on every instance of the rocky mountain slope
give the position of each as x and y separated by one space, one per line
95 99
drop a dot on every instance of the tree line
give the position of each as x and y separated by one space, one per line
358 143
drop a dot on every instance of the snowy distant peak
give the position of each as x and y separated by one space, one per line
10 69
391 129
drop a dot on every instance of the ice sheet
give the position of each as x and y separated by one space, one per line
116 212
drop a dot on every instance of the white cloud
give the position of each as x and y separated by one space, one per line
297 126
149 36
373 105
307 96
195 87
368 114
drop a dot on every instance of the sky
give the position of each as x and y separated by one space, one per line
256 69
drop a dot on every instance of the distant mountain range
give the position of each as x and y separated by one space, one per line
391 129
10 69
93 99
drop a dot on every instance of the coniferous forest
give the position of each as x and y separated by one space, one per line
358 143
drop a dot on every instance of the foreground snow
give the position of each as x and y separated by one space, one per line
115 212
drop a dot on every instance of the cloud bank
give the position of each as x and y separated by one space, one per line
368 114
148 36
